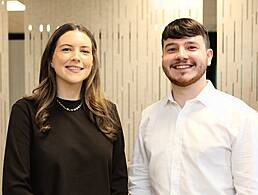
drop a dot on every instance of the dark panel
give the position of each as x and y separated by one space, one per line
212 69
16 36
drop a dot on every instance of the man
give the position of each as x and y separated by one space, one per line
197 140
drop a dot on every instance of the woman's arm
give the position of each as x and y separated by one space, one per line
119 183
16 172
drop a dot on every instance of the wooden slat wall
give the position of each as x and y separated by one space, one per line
238 49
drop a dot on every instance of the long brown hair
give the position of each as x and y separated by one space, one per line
100 110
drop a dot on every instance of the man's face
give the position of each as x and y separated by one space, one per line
185 60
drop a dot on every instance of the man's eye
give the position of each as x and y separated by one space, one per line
171 50
192 47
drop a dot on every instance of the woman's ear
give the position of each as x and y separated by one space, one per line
52 65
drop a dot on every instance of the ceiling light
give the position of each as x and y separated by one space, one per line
15 6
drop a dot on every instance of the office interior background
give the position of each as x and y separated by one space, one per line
128 35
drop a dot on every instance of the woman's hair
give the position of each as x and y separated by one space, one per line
101 111
185 27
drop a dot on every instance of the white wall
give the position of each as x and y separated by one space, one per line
16 70
4 81
210 14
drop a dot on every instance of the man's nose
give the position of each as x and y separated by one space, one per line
182 54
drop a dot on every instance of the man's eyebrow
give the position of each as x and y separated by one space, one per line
170 44
191 42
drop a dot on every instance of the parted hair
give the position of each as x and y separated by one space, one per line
101 111
185 27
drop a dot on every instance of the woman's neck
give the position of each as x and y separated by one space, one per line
71 92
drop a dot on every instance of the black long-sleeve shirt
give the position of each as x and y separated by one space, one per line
74 158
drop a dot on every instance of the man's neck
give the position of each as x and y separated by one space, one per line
183 94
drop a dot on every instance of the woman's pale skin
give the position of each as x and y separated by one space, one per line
72 61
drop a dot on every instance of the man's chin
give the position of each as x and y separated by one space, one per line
184 83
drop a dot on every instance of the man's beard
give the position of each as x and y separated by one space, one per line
185 83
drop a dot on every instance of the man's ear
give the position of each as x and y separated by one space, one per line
209 55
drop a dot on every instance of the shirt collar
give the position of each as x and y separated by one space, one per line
206 96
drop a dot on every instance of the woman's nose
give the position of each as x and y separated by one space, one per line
76 56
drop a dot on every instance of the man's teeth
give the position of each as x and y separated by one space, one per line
182 66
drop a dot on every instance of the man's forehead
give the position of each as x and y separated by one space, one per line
185 40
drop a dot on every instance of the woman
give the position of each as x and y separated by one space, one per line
66 138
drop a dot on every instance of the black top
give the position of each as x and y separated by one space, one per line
73 158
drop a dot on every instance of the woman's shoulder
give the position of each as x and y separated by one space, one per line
109 102
24 104
111 106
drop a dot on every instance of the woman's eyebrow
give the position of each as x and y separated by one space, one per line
67 44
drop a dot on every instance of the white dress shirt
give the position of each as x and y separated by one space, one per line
208 147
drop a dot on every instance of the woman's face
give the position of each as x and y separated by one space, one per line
72 59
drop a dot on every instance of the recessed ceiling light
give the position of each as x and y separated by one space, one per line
15 5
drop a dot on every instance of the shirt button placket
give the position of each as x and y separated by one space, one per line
176 157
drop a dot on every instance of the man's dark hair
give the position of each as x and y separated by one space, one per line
185 27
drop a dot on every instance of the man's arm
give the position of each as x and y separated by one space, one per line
139 168
245 158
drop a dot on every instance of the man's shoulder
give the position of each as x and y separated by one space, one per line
234 104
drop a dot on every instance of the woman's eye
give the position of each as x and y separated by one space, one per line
86 52
66 49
